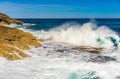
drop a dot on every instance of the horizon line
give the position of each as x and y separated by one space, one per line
67 18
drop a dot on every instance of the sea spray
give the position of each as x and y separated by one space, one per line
48 62
88 34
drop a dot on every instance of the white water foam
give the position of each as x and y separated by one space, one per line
47 63
80 35
56 60
21 26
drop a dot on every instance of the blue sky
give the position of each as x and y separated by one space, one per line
61 8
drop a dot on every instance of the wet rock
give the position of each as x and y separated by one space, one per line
93 50
60 50
102 59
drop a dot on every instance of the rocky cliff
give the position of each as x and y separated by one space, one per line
13 40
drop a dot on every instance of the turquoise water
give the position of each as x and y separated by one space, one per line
89 75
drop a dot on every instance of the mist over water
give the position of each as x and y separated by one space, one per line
55 59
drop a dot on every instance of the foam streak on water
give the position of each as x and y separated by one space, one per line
56 59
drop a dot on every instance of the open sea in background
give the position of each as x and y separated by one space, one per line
46 24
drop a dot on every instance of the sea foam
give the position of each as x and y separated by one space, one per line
49 62
88 34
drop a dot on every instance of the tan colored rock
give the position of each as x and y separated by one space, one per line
6 20
13 40
11 53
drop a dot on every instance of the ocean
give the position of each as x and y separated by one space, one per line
71 49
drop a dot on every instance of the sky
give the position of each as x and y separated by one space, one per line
61 8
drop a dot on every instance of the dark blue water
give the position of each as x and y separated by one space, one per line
46 24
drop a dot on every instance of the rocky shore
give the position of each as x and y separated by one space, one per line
6 20
13 40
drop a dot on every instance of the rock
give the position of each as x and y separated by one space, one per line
101 59
13 40
6 20
93 50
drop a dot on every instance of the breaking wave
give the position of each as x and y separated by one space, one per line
88 34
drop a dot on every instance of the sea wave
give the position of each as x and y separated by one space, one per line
21 26
88 34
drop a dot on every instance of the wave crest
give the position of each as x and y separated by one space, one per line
88 34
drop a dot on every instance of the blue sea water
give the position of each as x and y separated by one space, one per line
50 23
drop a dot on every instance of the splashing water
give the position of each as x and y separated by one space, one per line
56 60
87 34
